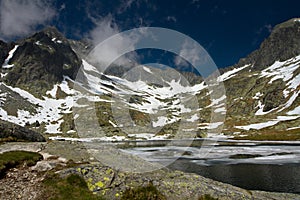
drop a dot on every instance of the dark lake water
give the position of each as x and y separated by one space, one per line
267 177
263 166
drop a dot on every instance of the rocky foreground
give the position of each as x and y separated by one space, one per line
26 182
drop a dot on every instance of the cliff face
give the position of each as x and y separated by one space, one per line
282 44
41 61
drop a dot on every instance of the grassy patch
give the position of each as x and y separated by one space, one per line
72 187
15 158
149 192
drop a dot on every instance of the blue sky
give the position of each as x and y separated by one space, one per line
228 30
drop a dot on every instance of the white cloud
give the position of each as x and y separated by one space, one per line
125 5
190 52
105 28
171 19
197 56
21 17
62 7
180 62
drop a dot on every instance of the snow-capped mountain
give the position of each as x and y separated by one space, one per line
48 85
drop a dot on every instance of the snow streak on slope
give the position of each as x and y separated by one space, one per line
10 55
262 125
89 67
63 86
147 69
229 74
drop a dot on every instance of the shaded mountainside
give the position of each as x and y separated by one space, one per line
39 73
40 61
268 99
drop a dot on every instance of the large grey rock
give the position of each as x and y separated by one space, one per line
10 130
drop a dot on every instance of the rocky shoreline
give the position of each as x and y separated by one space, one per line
112 183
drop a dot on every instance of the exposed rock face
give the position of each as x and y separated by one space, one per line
10 130
282 44
41 61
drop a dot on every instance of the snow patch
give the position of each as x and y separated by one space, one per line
215 102
293 128
257 95
38 43
220 110
295 111
262 125
210 125
147 69
229 74
88 67
56 41
113 124
290 101
160 122
193 118
281 70
10 55
261 108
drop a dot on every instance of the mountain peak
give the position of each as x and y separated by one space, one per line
282 44
40 61
287 24
52 31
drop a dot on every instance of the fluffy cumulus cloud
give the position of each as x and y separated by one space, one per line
105 28
195 55
190 52
21 17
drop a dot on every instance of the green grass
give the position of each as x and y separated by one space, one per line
149 192
72 187
12 159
